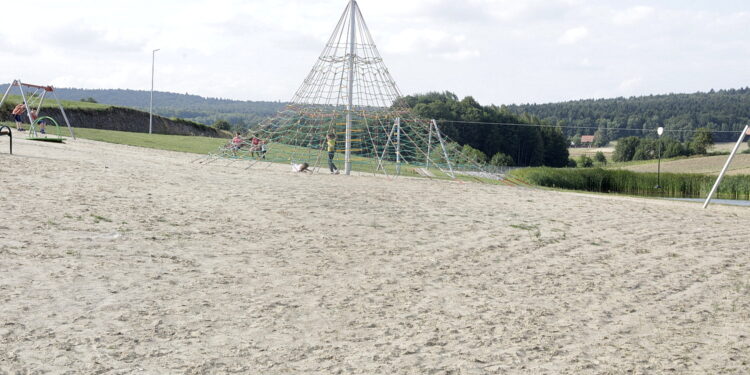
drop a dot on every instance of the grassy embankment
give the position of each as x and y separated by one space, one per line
87 107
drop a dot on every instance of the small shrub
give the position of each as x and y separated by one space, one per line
584 161
502 160
600 158
222 125
473 154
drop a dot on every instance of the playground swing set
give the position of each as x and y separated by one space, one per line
35 101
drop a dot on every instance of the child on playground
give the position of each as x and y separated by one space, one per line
301 168
331 143
263 149
34 116
255 146
236 143
17 112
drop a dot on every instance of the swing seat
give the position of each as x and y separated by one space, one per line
53 138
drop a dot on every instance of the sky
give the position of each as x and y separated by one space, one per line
498 51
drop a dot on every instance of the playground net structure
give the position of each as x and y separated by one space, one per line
350 94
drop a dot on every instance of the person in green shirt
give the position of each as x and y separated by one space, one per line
331 141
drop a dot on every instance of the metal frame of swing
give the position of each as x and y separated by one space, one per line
45 90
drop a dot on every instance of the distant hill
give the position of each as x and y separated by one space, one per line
723 110
681 114
190 107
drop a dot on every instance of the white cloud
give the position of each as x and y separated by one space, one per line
461 55
632 15
574 35
263 49
433 43
630 83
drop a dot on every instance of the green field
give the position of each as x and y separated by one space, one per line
50 102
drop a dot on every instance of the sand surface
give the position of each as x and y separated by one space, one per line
116 259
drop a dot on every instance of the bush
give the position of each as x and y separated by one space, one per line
473 154
501 160
625 149
572 163
672 149
600 158
222 125
584 161
575 141
600 138
701 141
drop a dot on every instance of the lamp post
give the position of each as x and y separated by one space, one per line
659 131
151 104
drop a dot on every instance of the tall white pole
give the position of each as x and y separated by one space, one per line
350 88
429 146
398 146
151 104
726 166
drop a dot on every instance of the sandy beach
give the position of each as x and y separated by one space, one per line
117 259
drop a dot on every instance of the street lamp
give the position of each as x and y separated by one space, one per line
151 104
659 131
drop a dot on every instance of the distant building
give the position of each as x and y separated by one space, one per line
587 140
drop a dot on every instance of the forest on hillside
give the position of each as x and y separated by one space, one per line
723 112
499 145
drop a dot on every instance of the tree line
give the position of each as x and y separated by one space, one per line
636 148
500 145
722 112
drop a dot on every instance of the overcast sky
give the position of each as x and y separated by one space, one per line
499 51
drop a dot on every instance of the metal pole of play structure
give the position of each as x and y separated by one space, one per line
442 144
429 147
151 103
726 165
41 100
350 88
26 104
65 117
398 146
6 92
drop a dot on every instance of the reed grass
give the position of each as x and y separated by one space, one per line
673 185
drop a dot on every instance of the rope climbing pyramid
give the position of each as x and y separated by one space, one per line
349 113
